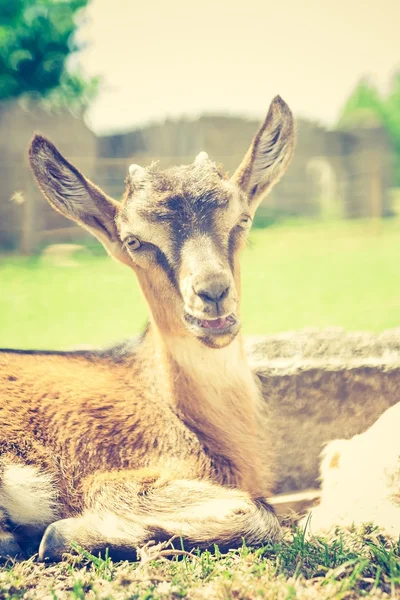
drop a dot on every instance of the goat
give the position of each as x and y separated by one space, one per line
361 479
161 436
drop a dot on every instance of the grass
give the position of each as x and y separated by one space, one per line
351 565
295 275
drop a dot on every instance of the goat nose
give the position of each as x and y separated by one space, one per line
213 291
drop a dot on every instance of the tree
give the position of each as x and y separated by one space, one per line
392 118
363 107
366 106
36 40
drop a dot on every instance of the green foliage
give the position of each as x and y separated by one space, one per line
366 106
363 107
36 40
392 118
75 93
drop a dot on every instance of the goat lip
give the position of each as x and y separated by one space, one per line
221 325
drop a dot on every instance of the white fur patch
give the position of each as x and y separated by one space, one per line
361 479
28 496
201 156
137 172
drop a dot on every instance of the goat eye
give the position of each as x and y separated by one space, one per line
133 243
245 221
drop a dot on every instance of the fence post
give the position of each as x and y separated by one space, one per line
27 239
376 187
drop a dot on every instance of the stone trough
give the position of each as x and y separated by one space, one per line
319 386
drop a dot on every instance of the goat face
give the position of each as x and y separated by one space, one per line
181 229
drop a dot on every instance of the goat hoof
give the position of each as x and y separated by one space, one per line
9 548
54 542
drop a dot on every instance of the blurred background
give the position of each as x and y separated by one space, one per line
122 82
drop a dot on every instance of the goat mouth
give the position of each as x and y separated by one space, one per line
220 326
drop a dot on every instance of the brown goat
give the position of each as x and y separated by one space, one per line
161 436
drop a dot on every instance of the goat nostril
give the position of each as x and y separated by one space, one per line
204 296
224 293
212 294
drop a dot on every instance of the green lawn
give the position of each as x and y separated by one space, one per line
346 567
295 275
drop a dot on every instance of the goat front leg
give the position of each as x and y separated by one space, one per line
127 509
109 521
9 546
94 533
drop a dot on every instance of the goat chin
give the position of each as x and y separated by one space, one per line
361 480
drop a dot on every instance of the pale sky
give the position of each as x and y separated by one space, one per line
169 58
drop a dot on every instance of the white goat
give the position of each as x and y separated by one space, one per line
361 479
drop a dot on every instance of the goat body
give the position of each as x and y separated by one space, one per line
163 436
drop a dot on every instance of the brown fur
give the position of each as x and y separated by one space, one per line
165 436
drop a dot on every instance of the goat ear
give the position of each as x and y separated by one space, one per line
74 196
269 155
